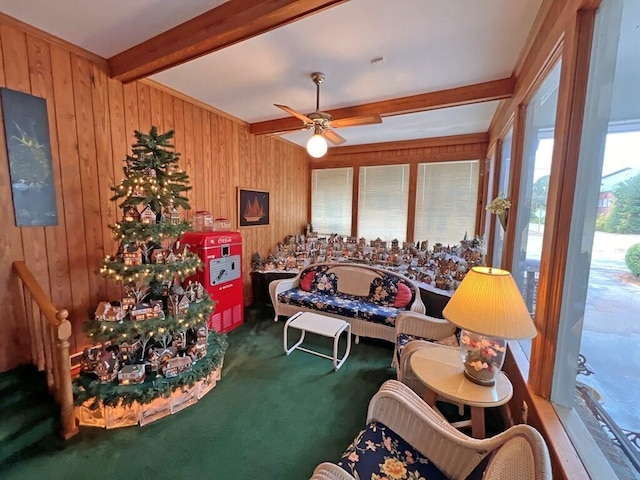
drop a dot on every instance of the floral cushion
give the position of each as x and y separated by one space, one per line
345 305
403 339
325 283
378 453
383 291
342 305
383 315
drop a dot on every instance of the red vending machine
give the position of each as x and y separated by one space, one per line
221 253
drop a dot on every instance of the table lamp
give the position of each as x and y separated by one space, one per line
489 309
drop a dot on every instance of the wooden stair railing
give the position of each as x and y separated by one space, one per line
49 332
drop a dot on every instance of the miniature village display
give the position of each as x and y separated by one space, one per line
442 266
154 343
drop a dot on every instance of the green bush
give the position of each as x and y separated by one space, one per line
632 259
602 223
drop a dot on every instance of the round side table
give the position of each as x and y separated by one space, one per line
439 369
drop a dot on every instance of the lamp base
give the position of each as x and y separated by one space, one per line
482 357
479 381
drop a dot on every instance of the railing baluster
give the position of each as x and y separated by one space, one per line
40 338
26 300
48 347
49 331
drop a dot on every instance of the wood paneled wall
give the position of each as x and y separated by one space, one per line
91 123
441 149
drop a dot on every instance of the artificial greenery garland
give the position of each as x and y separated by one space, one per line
87 387
102 331
117 270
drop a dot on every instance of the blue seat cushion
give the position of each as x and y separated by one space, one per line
349 306
379 453
343 305
384 315
403 339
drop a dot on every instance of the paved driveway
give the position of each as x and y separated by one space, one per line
611 331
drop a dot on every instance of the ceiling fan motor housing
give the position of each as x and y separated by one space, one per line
322 119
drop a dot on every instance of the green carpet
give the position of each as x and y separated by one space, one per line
271 416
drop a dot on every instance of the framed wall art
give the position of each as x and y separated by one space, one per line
253 207
26 129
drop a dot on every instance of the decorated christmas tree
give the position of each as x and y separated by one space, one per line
156 337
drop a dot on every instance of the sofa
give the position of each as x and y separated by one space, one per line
405 438
369 298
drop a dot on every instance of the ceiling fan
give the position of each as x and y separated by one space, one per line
322 122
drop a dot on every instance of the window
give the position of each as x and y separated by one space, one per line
534 185
446 201
503 187
599 332
331 200
383 199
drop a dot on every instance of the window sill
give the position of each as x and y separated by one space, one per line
541 415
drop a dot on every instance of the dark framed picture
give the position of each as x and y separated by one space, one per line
26 130
253 207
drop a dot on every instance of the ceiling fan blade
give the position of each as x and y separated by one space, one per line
291 111
333 137
355 121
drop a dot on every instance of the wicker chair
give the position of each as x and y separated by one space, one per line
518 453
417 327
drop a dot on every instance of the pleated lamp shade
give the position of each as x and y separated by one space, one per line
489 302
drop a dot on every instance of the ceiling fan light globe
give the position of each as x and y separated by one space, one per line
317 146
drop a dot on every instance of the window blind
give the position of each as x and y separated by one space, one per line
383 199
446 201
331 199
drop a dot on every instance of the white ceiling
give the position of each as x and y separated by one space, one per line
427 45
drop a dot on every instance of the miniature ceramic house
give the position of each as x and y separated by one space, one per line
197 351
107 367
158 256
140 312
195 292
127 303
166 287
109 313
132 256
179 340
148 216
130 349
178 304
90 358
131 374
171 215
131 214
180 250
157 357
175 366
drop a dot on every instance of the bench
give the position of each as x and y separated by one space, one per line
369 298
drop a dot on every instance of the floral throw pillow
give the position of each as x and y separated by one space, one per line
307 281
379 453
383 291
325 283
403 297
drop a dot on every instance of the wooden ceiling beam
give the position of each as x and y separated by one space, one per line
225 25
468 94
